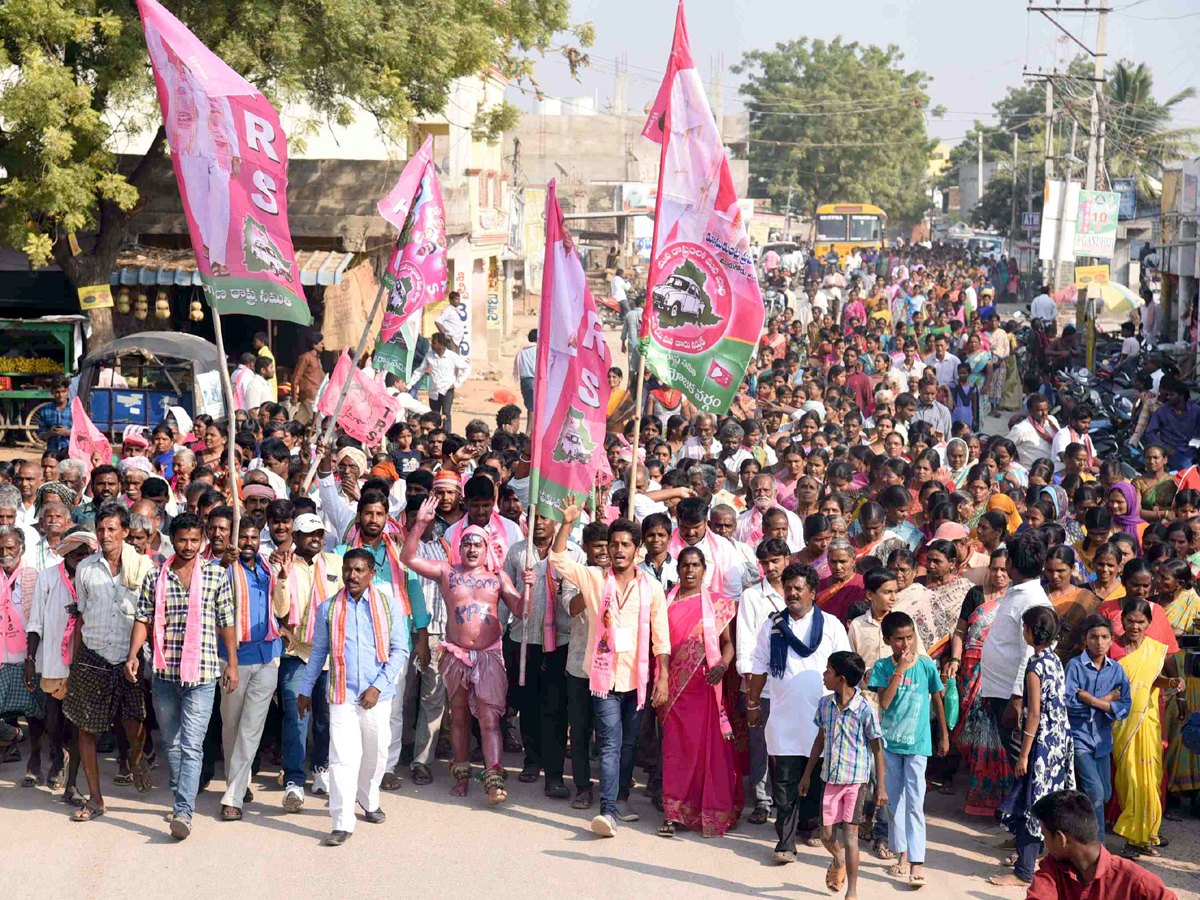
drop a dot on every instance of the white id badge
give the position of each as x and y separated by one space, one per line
624 640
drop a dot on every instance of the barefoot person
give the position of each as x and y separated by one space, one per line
470 658
627 623
361 632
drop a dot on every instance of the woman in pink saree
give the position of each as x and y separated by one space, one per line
702 783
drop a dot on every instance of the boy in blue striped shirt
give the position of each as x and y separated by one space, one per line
849 738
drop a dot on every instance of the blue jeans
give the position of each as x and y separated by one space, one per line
619 719
295 729
1094 774
904 778
183 714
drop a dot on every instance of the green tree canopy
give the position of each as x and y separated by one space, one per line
82 80
838 122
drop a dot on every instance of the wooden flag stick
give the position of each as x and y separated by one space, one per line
527 598
631 475
332 426
231 479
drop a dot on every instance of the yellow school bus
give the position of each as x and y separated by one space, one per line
843 226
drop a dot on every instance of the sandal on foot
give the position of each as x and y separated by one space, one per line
759 816
835 876
390 782
947 789
667 829
72 797
583 800
882 852
899 870
55 780
89 812
31 779
813 842
231 814
421 774
123 779
529 774
916 880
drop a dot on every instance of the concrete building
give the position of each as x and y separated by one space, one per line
336 176
1179 235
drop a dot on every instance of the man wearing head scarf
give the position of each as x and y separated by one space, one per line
339 496
470 658
53 520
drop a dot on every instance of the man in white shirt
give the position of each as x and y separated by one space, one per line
28 479
451 323
750 524
792 652
447 371
943 362
702 444
758 602
1034 435
1044 307
258 385
722 563
1005 653
1075 432
721 520
618 287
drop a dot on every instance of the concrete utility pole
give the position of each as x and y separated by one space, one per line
1050 272
1013 230
1095 139
979 165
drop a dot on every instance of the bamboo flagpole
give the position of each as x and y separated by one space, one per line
231 479
631 475
527 594
358 353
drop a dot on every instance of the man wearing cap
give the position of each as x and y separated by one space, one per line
257 498
447 489
303 581
470 659
49 638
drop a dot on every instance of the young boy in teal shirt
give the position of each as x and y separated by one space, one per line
907 684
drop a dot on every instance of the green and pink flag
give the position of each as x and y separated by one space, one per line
571 393
416 274
704 310
230 158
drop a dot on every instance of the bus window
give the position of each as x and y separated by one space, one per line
831 228
865 228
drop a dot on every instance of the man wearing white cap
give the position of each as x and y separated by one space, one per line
306 578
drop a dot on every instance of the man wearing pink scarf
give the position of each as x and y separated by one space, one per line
186 607
627 624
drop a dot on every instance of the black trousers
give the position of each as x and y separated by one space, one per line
1009 737
542 704
442 405
796 817
581 717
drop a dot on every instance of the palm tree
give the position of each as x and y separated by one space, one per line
1140 140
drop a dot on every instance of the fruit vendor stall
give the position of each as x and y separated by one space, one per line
33 352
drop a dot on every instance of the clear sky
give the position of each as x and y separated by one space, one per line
973 50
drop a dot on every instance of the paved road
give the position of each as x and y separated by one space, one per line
434 847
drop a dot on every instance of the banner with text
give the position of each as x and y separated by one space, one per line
230 158
369 409
704 310
571 388
416 274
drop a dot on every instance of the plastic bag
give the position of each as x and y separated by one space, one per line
951 703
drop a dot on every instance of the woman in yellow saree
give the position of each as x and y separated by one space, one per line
1137 739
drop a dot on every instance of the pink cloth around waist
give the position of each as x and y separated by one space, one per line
467 657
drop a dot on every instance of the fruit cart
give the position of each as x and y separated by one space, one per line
33 352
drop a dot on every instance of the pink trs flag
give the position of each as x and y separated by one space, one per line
571 394
230 158
87 439
416 275
369 409
704 311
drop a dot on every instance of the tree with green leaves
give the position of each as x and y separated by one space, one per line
1139 137
81 83
838 122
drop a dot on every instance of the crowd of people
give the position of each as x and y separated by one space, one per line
812 609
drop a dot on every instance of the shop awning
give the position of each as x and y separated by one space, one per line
149 266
